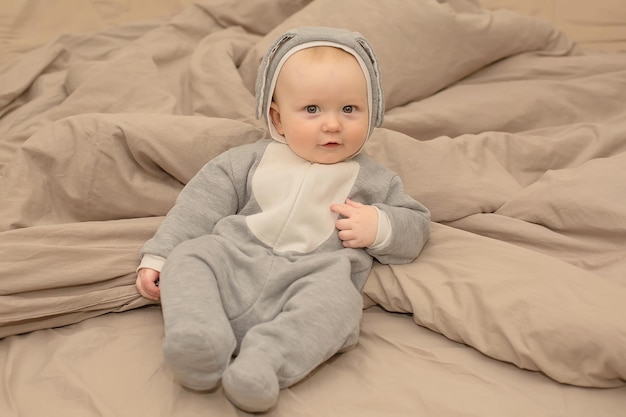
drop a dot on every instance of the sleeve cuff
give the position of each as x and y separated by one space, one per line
384 230
151 261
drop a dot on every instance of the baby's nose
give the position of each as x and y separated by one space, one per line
331 123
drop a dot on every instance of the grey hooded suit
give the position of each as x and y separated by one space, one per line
249 255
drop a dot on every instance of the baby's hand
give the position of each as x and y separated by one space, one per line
359 225
147 283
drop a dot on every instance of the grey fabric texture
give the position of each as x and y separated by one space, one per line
223 290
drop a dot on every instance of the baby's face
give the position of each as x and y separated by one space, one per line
320 105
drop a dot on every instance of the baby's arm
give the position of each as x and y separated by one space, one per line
358 226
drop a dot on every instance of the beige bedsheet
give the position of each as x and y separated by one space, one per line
508 130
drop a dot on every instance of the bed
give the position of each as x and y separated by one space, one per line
506 118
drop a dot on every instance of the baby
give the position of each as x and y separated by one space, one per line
267 248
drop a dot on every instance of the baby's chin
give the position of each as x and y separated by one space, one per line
330 160
329 156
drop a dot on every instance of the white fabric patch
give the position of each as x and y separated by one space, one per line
295 197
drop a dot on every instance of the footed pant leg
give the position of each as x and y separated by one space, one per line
320 316
199 340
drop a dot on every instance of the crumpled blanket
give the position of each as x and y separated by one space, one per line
509 133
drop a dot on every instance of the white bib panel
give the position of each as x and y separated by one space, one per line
295 197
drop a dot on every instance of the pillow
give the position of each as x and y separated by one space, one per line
422 46
600 24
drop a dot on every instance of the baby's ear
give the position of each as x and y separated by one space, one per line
275 116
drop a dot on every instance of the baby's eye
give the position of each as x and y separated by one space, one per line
311 108
348 109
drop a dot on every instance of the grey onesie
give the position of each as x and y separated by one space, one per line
250 260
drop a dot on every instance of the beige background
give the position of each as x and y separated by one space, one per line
24 25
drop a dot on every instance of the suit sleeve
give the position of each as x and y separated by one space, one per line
410 226
210 195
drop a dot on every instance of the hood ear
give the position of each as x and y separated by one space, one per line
264 79
378 99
